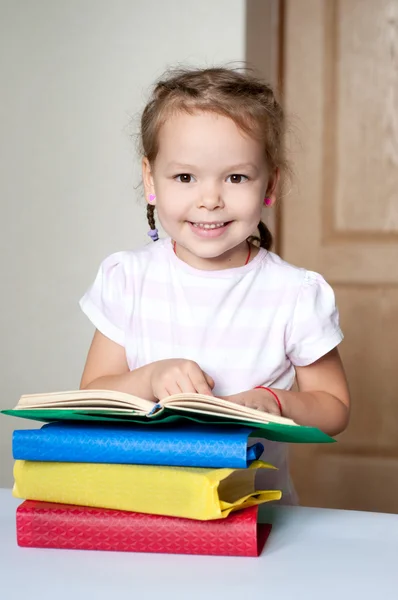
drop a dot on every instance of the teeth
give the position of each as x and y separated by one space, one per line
208 225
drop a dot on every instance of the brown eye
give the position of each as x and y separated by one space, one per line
184 178
236 178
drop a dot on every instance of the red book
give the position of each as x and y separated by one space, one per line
64 526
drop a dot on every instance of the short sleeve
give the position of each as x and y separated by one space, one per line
314 329
104 303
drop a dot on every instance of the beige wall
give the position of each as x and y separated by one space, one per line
71 75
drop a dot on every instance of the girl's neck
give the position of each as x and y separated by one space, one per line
237 257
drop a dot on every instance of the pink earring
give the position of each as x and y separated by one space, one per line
267 201
152 198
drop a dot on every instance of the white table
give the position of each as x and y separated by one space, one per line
312 554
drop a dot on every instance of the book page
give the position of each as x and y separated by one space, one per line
199 403
240 483
104 399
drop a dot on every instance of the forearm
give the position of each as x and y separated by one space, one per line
136 382
316 409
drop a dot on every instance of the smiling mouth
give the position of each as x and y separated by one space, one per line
215 225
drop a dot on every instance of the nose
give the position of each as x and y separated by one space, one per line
210 198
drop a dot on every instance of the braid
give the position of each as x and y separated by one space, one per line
153 232
265 240
150 215
265 236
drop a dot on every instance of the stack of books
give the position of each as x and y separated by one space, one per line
110 471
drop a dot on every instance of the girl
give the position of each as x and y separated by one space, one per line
208 309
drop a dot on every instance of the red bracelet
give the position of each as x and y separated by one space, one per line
262 387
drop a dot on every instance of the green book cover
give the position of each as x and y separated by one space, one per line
272 431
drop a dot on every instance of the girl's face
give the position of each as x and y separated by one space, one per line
210 180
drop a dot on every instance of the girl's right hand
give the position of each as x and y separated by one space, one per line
176 375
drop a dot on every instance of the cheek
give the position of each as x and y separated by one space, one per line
173 200
249 205
171 208
254 217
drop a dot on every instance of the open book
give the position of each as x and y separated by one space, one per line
107 405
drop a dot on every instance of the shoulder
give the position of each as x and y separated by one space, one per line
109 300
130 262
280 272
313 327
120 273
286 272
303 289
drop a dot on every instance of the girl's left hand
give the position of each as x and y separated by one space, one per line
258 399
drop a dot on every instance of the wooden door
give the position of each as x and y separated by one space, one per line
341 218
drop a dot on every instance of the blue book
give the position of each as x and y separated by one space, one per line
191 446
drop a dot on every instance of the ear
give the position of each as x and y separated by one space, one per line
272 186
147 179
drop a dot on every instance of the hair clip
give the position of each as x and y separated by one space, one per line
153 234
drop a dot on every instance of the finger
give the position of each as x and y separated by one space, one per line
260 408
200 384
273 410
160 393
266 408
209 379
173 388
235 398
185 384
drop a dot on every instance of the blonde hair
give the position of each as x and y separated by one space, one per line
245 99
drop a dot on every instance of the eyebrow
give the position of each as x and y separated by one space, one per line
177 165
231 169
243 167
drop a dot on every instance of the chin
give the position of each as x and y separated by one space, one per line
210 250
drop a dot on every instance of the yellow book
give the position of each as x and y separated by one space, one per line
192 493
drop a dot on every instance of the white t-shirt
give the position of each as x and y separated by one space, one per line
244 326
